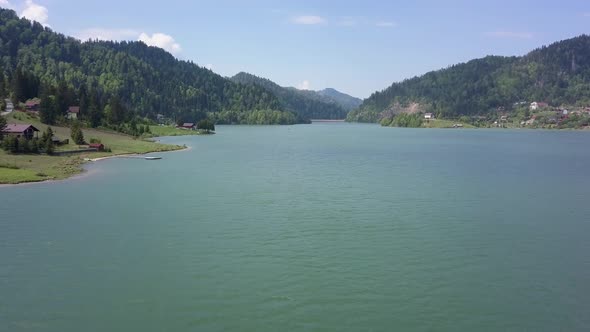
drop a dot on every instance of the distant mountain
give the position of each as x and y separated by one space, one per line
558 74
306 104
348 102
146 80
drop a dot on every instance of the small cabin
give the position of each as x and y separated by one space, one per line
98 146
20 130
537 105
428 116
33 105
73 112
188 126
58 141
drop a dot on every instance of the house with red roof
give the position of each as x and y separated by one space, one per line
20 130
33 105
98 146
187 125
73 112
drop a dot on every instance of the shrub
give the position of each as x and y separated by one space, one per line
9 166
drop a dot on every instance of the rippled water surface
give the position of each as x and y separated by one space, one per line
323 227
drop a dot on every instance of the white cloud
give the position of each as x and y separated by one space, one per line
304 85
161 40
308 20
108 34
35 12
6 4
586 14
386 24
510 34
209 66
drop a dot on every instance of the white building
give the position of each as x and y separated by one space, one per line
536 105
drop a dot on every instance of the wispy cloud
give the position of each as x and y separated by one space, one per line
308 20
586 14
161 40
108 34
386 24
35 12
6 4
304 85
509 34
157 39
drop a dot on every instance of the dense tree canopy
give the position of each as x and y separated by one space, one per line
558 74
206 125
2 125
113 81
306 104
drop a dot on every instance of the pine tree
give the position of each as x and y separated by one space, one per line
34 146
23 145
49 147
18 85
47 140
76 133
2 125
95 114
47 111
11 144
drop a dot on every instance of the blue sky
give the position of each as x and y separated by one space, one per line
357 47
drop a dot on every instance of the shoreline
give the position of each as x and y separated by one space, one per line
84 171
127 155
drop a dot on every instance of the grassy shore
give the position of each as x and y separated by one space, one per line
172 131
21 168
441 123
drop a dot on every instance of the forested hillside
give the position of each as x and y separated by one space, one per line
116 81
347 102
307 104
558 74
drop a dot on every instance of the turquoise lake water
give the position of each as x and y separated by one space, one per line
322 227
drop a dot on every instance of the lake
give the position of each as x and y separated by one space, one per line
322 227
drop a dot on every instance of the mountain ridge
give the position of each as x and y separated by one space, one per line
147 80
558 73
305 103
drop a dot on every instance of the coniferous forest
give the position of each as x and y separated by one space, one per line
558 74
307 104
114 82
117 82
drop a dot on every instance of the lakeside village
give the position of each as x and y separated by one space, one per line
543 115
535 115
26 138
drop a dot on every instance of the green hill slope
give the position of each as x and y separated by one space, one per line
146 80
307 104
558 74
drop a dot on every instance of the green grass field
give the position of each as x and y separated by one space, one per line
440 123
34 168
172 131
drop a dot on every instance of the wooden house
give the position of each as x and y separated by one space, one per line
98 146
20 130
73 112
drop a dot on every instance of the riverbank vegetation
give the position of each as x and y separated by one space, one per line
29 167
